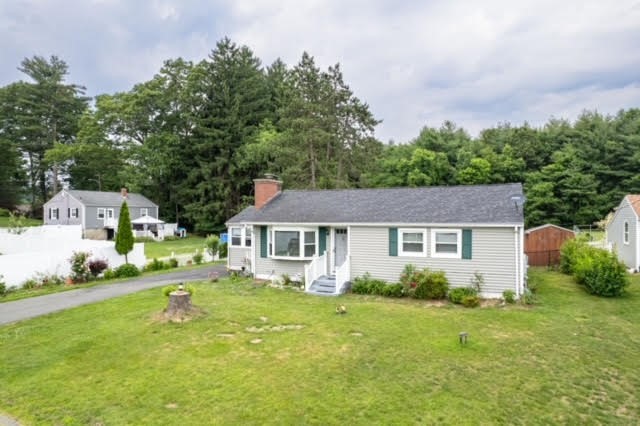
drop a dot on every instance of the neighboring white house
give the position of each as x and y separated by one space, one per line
329 237
623 233
96 211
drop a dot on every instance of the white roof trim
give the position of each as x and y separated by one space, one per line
382 224
624 201
547 225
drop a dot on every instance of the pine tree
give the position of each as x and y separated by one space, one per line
124 237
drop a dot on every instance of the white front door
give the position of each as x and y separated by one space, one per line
341 246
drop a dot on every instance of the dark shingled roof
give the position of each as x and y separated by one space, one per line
109 199
481 204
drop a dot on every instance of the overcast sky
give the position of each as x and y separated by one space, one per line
415 63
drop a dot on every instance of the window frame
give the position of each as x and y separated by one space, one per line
401 232
302 243
231 236
54 213
110 214
246 235
434 252
144 211
104 213
625 232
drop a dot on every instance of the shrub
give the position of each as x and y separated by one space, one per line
223 249
601 273
3 287
167 290
408 279
171 238
30 283
45 280
471 301
509 296
197 258
109 274
79 268
477 281
569 253
96 266
127 270
156 265
456 295
286 280
368 285
533 282
393 290
431 285
4 212
528 298
212 243
173 262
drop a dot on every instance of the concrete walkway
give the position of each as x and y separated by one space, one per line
42 305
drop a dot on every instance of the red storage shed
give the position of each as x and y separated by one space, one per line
542 244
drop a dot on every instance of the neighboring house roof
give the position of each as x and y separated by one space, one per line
107 199
634 202
548 225
474 204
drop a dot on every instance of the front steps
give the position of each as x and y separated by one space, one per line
323 286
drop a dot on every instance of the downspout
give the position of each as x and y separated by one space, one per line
523 267
253 250
228 247
517 260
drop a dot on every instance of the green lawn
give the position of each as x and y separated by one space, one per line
573 358
158 249
4 222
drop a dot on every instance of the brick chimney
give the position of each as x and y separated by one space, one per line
123 192
266 189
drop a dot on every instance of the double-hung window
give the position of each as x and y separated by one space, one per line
412 242
54 213
241 236
294 243
236 237
101 212
144 211
72 213
626 232
446 243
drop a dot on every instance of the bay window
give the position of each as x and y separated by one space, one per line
293 243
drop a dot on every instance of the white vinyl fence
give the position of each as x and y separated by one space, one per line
47 249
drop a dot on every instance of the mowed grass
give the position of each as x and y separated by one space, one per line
188 245
573 358
4 222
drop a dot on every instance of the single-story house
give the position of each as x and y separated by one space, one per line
96 211
542 244
329 237
623 231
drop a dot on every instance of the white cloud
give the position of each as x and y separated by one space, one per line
415 63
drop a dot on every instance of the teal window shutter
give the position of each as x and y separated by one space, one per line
322 237
393 241
263 241
466 243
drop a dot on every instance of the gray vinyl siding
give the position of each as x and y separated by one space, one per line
237 255
493 255
266 266
63 203
615 235
93 222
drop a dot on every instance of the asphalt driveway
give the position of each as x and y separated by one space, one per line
42 305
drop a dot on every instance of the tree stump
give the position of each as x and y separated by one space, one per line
179 304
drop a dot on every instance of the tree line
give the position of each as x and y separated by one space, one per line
194 136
